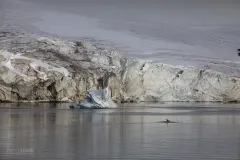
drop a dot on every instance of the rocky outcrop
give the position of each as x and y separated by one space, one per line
43 68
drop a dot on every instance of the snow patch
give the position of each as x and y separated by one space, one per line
34 64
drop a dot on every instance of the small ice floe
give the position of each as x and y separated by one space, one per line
95 99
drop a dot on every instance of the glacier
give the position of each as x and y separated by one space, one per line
37 68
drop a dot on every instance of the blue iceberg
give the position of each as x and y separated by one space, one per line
95 99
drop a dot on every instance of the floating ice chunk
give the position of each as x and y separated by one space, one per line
95 99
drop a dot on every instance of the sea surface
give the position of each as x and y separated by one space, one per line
52 131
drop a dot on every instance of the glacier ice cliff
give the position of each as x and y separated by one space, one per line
34 68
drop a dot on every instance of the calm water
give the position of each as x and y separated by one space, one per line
52 131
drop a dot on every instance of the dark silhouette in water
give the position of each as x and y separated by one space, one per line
238 50
167 121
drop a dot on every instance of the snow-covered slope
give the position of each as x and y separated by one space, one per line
197 33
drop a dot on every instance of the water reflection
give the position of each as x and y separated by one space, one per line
52 131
